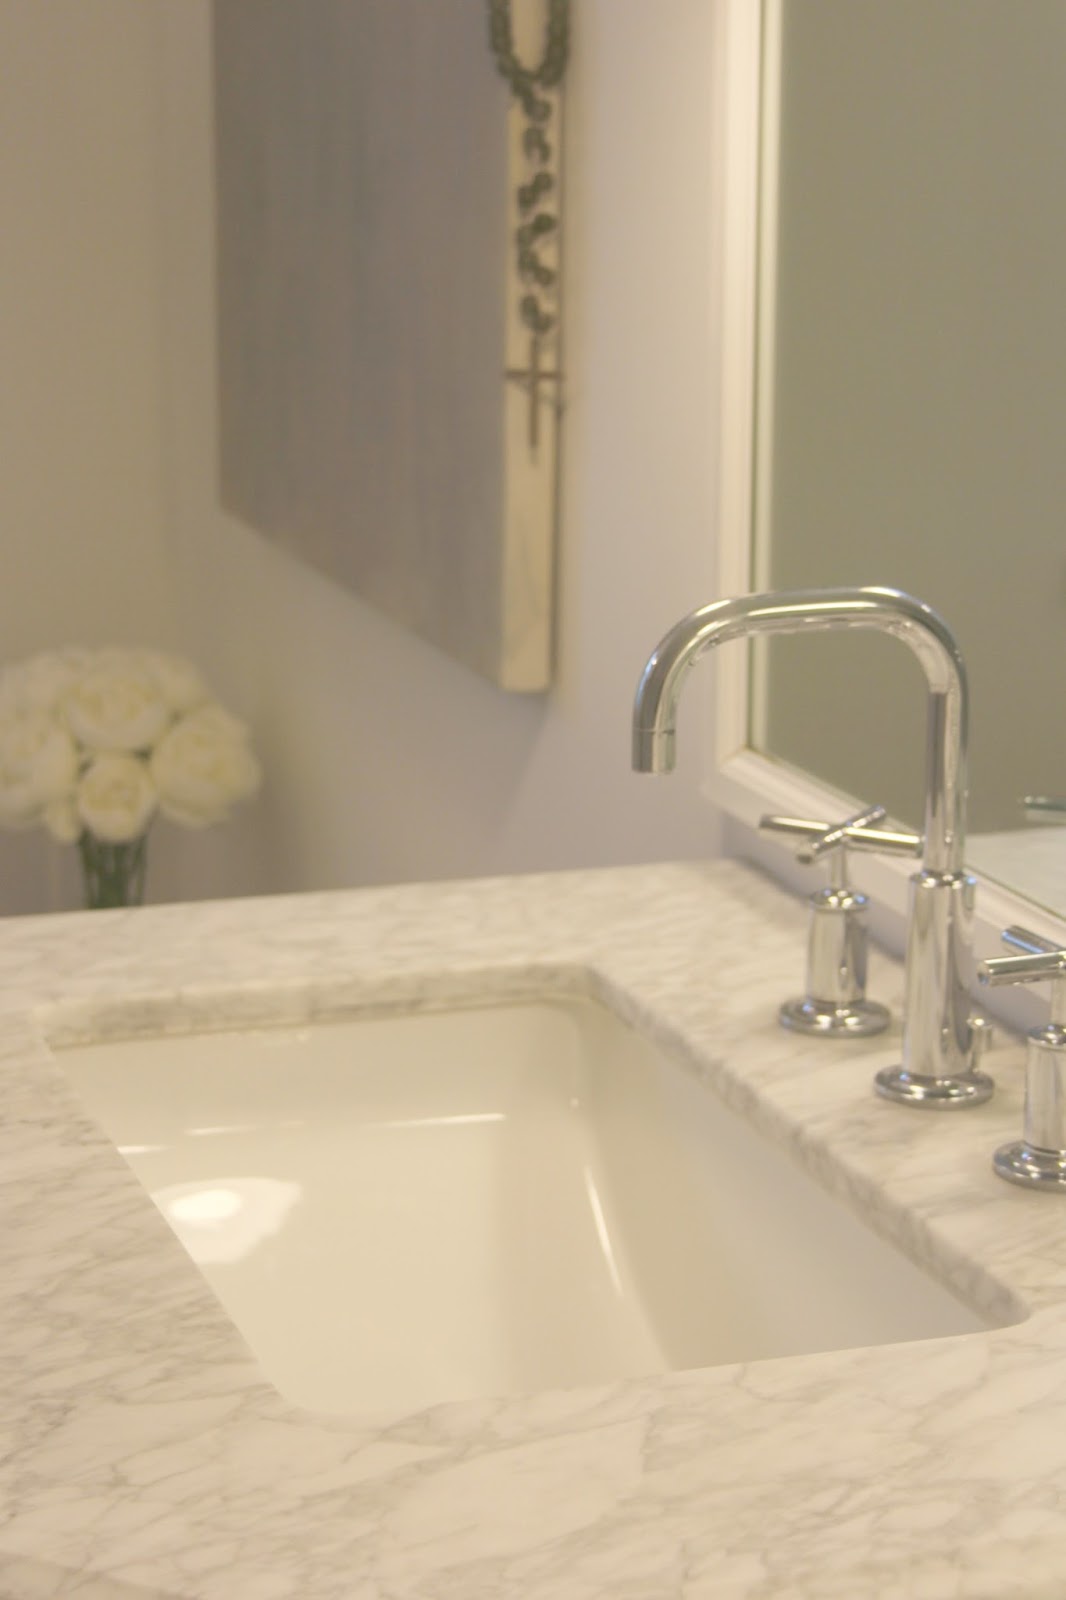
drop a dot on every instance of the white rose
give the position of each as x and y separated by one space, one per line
178 681
202 766
116 798
116 705
46 679
38 764
40 682
61 819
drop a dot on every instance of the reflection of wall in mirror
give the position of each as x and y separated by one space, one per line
913 435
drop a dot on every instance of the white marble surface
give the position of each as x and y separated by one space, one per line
142 1455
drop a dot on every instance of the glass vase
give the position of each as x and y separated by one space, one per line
113 874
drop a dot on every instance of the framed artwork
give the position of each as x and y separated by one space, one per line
389 352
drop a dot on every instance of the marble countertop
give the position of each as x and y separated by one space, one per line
142 1454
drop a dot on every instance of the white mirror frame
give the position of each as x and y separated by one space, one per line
744 783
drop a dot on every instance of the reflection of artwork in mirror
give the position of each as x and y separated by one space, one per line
912 401
388 336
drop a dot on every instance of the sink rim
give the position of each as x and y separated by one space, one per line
65 1024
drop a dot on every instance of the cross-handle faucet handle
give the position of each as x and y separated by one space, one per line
819 839
1038 1160
835 839
835 1003
1041 961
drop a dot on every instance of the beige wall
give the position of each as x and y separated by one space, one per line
388 761
385 760
81 525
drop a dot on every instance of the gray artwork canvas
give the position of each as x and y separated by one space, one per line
364 153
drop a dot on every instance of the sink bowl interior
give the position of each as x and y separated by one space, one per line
403 1210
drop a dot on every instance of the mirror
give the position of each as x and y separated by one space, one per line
911 395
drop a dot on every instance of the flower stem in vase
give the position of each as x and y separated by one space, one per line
113 873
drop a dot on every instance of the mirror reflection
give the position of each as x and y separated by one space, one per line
911 397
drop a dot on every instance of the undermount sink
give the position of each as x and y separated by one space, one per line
402 1210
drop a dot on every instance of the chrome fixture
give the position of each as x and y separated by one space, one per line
835 1003
1038 1160
941 1045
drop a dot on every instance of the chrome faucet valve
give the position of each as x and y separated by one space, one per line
835 1004
941 1041
1038 1159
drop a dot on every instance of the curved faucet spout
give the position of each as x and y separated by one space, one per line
817 610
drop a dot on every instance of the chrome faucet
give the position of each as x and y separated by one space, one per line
1038 1160
942 1041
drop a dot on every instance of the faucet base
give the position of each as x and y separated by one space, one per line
853 1021
936 1094
1024 1164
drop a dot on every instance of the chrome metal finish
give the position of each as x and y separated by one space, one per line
835 1003
823 838
1030 1168
939 1054
832 841
815 611
859 837
859 1019
1038 1159
884 840
796 827
938 1039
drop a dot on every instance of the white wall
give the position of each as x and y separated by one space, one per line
384 759
81 523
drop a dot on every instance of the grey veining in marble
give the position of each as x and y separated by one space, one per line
142 1455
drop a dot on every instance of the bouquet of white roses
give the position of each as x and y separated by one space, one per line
93 743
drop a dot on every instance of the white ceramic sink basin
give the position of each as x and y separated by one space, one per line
404 1210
